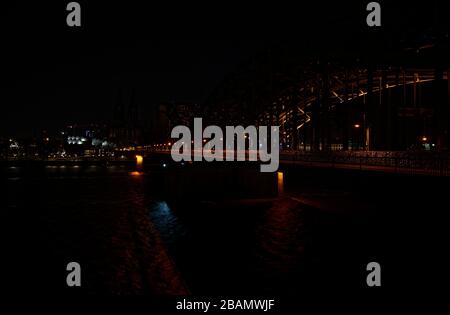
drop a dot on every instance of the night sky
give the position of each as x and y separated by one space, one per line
53 75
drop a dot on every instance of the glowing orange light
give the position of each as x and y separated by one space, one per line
136 173
280 180
424 138
357 125
139 162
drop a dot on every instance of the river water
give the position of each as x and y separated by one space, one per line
128 240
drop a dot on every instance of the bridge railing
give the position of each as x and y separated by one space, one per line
428 163
399 162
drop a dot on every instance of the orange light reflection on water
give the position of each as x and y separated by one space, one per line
280 180
136 173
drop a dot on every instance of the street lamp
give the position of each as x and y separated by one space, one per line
357 135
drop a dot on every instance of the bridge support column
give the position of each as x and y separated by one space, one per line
368 109
441 106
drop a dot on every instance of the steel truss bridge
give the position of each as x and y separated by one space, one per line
337 108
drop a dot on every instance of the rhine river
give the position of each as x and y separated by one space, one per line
320 232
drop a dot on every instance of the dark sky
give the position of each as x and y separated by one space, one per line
53 75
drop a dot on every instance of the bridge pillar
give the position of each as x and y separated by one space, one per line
369 109
383 142
315 124
345 116
442 108
448 110
326 117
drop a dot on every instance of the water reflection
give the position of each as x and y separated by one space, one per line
280 181
168 224
139 162
279 249
238 247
